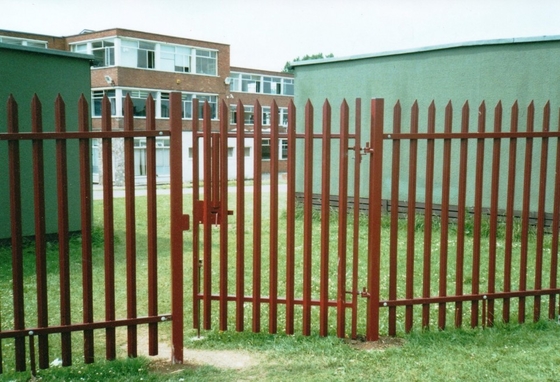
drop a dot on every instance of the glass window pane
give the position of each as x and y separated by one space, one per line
288 87
167 58
129 53
164 108
206 62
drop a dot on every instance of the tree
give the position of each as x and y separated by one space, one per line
318 56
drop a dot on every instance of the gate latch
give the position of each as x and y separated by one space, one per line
368 149
364 293
200 212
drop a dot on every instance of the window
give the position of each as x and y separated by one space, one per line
187 105
138 98
233 115
146 55
272 85
129 55
248 115
213 103
266 116
254 83
265 149
288 84
187 100
95 160
283 149
283 116
175 58
164 105
23 42
138 54
162 156
97 98
150 55
250 83
104 52
235 84
80 48
140 157
283 146
206 62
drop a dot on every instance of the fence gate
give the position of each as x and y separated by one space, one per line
260 253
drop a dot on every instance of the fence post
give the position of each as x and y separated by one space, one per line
176 190
374 234
14 175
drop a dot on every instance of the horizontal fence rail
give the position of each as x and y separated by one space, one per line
66 294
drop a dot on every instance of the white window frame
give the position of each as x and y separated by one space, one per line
97 97
138 94
186 58
162 156
108 51
261 84
266 120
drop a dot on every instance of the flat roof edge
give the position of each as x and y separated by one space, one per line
52 52
126 30
239 69
428 48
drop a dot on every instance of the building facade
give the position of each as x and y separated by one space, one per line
139 64
506 70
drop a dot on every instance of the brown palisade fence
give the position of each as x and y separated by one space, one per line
448 223
76 292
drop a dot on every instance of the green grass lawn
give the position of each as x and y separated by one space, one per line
529 352
505 352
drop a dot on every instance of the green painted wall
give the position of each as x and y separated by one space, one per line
24 72
489 72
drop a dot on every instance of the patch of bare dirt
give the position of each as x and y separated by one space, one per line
382 344
224 359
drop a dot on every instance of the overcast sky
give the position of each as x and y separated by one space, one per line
264 34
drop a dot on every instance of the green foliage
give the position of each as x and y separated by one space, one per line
288 68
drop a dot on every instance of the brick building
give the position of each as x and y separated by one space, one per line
138 64
248 85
